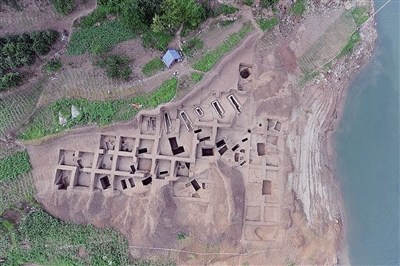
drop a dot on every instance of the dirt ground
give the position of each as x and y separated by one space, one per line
301 210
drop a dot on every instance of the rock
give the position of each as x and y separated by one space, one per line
74 111
62 120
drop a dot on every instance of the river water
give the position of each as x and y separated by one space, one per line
367 150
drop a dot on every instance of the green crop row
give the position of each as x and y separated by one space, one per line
99 39
14 165
211 58
46 121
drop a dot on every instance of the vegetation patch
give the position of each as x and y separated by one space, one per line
196 77
53 65
299 7
360 15
153 66
45 240
268 3
212 57
63 6
248 2
307 77
267 24
225 9
192 45
99 39
156 40
46 120
14 165
354 39
116 66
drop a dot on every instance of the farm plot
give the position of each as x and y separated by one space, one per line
329 45
47 120
15 107
86 82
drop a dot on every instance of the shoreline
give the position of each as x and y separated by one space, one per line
371 29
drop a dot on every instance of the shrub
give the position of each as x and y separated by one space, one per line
360 15
63 6
100 39
196 77
98 15
14 165
117 66
268 3
225 9
299 7
192 45
153 66
10 80
352 42
20 50
53 65
156 40
248 2
267 24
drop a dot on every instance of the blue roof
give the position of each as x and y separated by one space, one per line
170 56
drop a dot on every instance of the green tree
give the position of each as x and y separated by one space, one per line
9 80
268 3
174 13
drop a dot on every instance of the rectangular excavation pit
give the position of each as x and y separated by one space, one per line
124 163
218 108
63 179
144 164
145 146
122 182
67 157
182 169
107 142
207 152
272 140
104 161
223 150
102 181
186 120
253 213
277 126
167 122
86 159
235 103
272 159
220 143
195 184
163 168
199 111
147 181
127 144
266 187
148 125
261 149
83 179
271 214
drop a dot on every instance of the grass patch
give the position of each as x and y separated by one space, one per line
196 77
192 45
99 39
360 15
55 242
14 165
101 113
63 6
116 66
225 9
98 15
153 66
248 2
352 42
299 7
156 40
53 65
212 57
307 77
267 24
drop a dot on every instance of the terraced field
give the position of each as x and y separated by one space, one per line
329 45
16 107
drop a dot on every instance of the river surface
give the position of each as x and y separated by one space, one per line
367 150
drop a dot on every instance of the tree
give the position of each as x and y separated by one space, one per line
174 13
9 80
268 3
